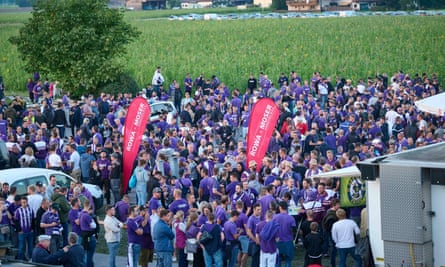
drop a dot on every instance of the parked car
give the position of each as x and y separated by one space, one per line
21 178
4 156
159 107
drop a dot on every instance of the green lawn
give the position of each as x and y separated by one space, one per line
355 47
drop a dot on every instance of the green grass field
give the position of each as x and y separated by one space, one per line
355 47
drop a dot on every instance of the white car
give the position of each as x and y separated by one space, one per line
21 178
159 107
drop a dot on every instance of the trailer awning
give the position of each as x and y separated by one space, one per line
352 171
434 104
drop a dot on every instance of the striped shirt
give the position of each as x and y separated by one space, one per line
24 218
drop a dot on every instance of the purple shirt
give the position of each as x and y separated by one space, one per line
180 204
287 223
122 207
48 218
252 223
230 229
265 204
220 214
242 220
269 246
73 215
85 221
132 225
154 204
24 216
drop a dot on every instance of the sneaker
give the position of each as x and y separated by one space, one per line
174 259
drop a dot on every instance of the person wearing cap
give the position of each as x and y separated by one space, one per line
41 254
155 201
286 233
50 222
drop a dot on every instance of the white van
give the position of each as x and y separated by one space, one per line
21 178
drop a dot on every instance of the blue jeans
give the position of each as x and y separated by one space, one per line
134 250
343 253
215 257
90 252
28 239
142 197
41 163
61 131
231 255
333 254
112 250
65 233
286 253
165 259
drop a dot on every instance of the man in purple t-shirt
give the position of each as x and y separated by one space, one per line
179 203
266 200
135 232
286 233
254 243
73 217
88 232
232 233
266 233
155 201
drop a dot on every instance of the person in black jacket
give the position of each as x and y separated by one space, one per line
59 120
313 244
74 257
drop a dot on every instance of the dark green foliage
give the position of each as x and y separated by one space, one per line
77 42
279 5
123 83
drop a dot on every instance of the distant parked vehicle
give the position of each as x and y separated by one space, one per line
159 107
21 178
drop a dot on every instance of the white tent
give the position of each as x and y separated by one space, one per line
434 104
352 171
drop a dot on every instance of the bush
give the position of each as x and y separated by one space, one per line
123 83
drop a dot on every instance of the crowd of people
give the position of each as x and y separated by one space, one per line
211 207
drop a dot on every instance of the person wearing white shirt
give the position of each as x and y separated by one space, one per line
34 200
75 162
112 234
157 81
54 161
343 232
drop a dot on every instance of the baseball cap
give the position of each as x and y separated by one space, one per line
157 190
39 184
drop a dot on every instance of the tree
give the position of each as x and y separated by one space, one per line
279 5
78 42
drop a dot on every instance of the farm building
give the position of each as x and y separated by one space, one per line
145 5
188 4
262 3
323 5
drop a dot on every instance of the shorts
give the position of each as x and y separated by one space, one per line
146 256
244 243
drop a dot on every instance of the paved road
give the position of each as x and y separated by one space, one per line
101 260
